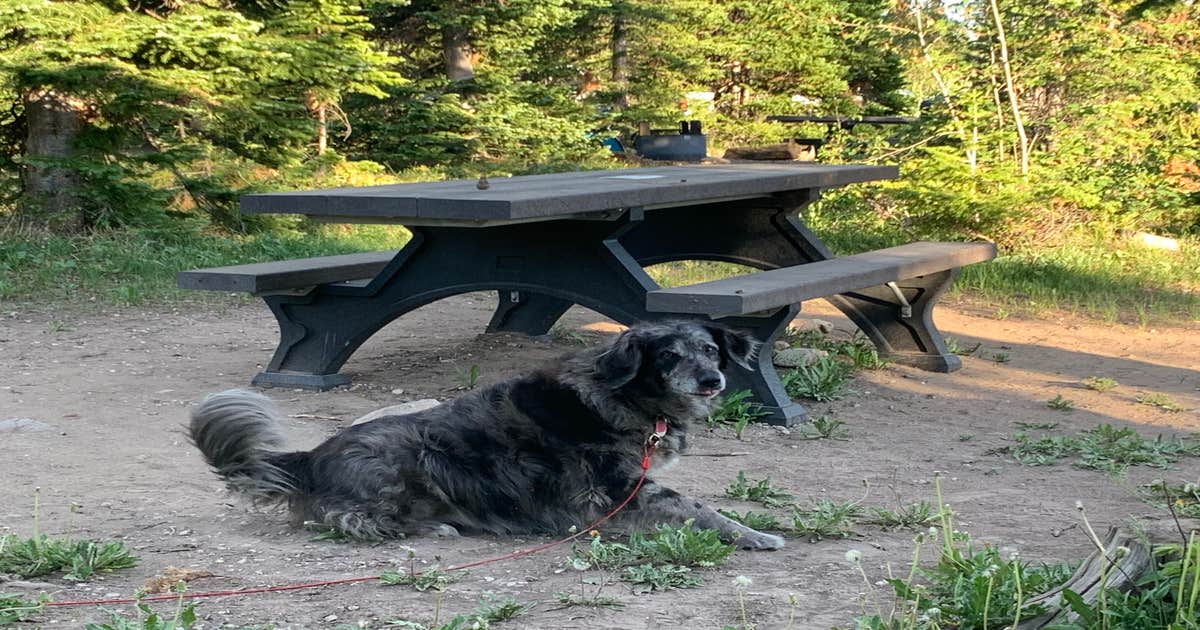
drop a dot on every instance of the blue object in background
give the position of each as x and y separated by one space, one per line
613 145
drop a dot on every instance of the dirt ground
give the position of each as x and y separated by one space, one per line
115 386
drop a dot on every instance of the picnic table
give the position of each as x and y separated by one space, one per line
546 242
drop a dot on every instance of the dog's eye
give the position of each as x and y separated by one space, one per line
710 351
667 355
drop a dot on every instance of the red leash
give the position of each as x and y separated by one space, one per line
648 450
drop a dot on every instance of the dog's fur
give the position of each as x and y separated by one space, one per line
536 454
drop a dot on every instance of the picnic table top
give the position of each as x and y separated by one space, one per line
559 195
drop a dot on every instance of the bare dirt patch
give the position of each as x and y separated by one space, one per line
114 388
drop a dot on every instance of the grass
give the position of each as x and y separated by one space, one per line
737 411
137 266
911 516
432 578
1162 401
1060 404
825 518
661 560
762 491
15 608
754 520
78 560
1099 383
824 428
468 378
823 380
1104 447
1182 499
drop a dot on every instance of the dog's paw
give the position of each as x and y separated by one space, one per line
759 541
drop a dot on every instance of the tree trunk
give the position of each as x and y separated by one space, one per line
1012 91
51 192
620 57
456 51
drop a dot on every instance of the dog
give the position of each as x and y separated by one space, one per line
537 454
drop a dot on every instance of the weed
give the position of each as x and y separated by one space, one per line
1099 383
1060 403
735 410
1183 499
754 520
56 326
184 618
967 588
1000 357
598 601
826 519
1103 447
761 491
431 578
911 516
13 608
682 546
566 334
1162 401
41 555
1041 451
648 577
468 378
824 428
861 353
1037 426
331 534
956 347
823 380
594 600
490 611
1110 449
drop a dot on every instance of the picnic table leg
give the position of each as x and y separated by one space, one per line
763 381
768 234
527 313
320 330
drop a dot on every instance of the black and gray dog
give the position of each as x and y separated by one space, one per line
540 453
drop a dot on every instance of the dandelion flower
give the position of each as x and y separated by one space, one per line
853 556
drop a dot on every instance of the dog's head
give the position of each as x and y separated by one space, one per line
678 363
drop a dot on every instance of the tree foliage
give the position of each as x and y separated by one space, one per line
166 110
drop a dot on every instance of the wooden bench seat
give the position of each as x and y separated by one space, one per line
776 288
285 275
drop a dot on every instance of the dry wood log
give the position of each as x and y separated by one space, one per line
1097 573
782 151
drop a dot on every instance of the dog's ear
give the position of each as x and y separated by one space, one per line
735 345
618 365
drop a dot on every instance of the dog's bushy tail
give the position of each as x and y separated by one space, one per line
238 433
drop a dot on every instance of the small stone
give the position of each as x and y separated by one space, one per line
330 617
781 345
400 410
805 325
23 425
398 391
797 357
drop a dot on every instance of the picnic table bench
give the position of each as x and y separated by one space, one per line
546 242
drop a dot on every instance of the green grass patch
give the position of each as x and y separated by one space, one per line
1104 447
136 266
761 491
823 380
1099 383
911 516
78 560
754 520
661 560
826 518
431 578
736 410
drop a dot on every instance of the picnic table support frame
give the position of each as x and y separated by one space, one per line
764 233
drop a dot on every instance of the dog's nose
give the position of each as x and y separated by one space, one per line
711 380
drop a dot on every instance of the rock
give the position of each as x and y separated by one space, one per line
805 325
796 357
23 425
781 345
399 410
1154 241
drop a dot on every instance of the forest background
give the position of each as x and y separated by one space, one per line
1062 130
